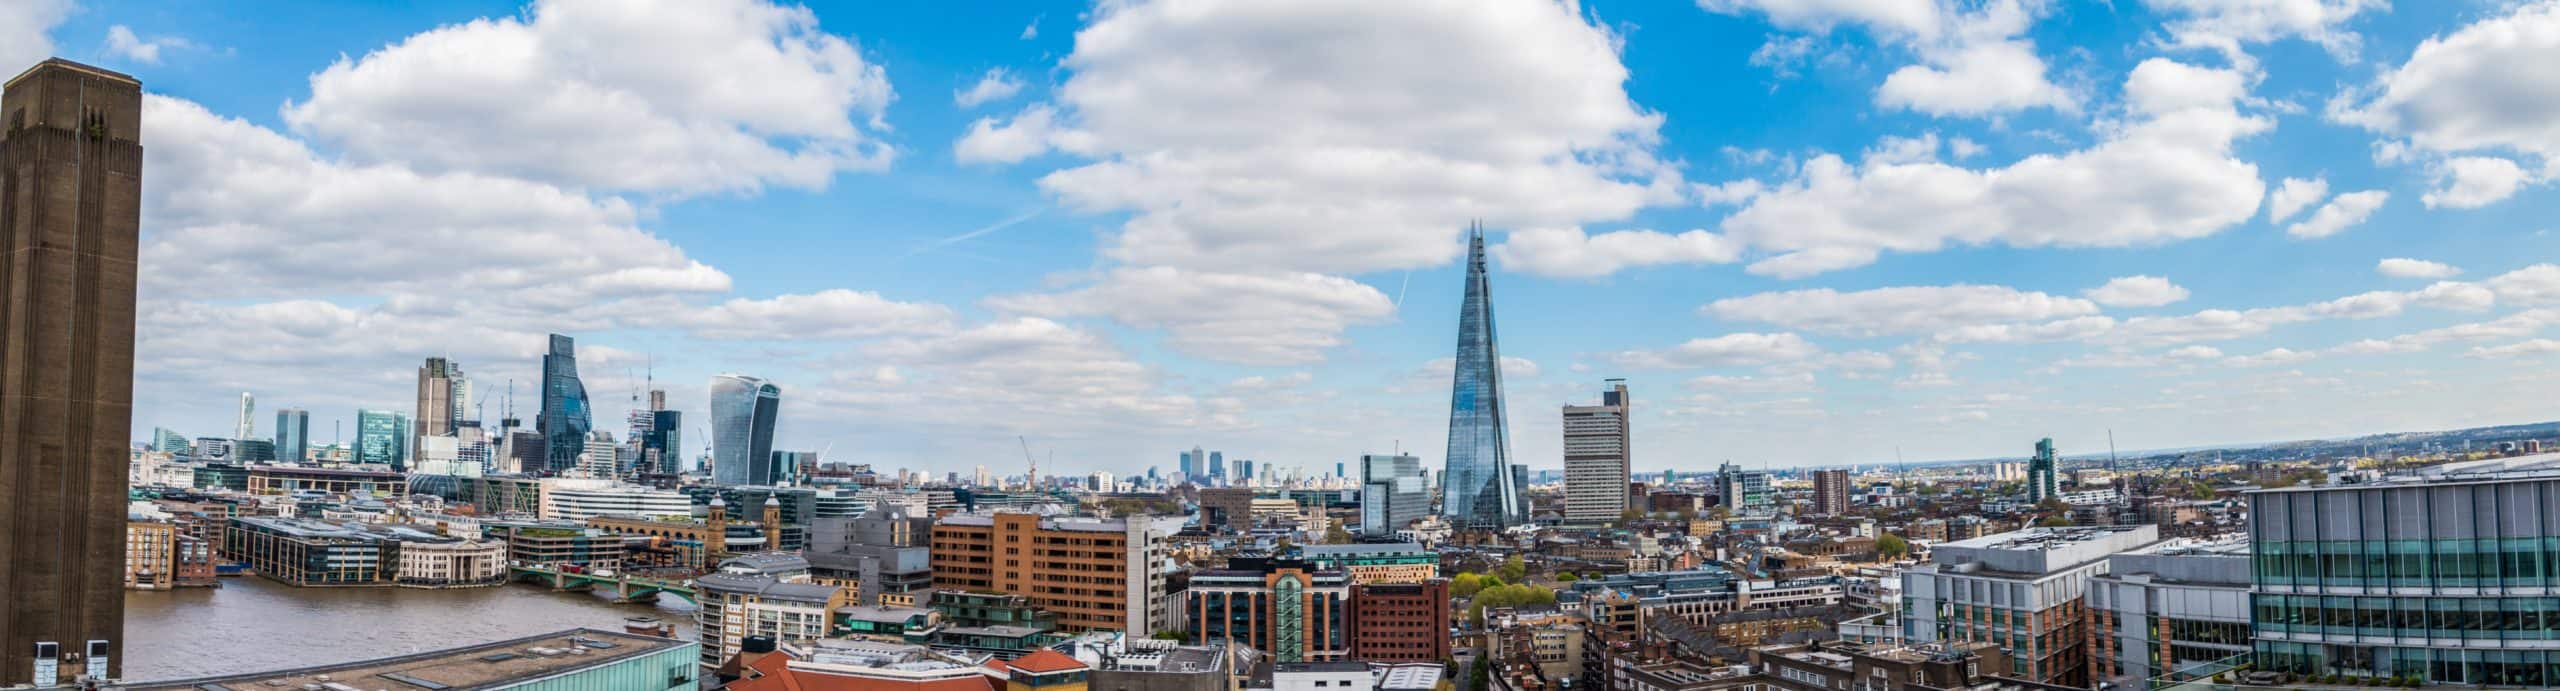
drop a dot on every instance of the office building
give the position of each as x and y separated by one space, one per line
437 404
293 435
1286 608
2445 574
284 479
1217 465
70 195
1190 464
1392 493
253 451
2169 606
1400 622
565 417
578 499
2026 591
1830 492
743 410
1597 448
382 437
214 449
169 441
1228 507
886 550
2043 478
1096 574
1744 492
570 659
1481 487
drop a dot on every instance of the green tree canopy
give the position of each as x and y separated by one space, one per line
1568 577
1507 596
1513 570
1892 546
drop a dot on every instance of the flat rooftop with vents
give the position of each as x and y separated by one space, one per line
595 657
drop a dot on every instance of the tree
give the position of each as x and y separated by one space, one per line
1567 577
1891 546
2054 522
1480 678
1466 585
1169 636
1337 536
1507 596
1513 570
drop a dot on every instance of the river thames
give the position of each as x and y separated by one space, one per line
252 624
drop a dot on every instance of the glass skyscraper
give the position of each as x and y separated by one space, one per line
742 414
1480 487
664 442
1392 493
564 419
293 435
382 436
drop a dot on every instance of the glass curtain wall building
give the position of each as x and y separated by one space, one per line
1392 494
743 409
293 435
2450 575
382 436
664 442
565 418
1479 488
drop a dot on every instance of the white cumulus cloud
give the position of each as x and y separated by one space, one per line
2341 212
2137 291
2402 267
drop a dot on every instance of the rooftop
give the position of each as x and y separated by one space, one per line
2042 539
1320 551
2533 466
474 667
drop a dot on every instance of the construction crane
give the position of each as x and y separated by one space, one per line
1032 479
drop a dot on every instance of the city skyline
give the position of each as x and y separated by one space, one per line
2372 244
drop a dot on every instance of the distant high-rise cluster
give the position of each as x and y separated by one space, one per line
1481 487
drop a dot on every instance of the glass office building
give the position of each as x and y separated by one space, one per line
2450 574
743 409
1479 489
293 435
382 436
565 418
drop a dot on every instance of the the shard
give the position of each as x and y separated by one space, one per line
1480 488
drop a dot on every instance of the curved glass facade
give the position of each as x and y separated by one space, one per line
1479 488
742 414
564 419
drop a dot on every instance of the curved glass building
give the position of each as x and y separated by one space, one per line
742 413
1480 488
565 418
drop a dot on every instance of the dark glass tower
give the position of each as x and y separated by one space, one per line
666 440
564 420
1480 488
70 216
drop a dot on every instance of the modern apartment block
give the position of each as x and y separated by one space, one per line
2169 606
150 555
1096 574
2026 591
2448 574
1597 448
70 220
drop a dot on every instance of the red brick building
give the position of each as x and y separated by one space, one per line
1400 622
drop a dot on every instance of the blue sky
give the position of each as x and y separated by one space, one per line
1808 232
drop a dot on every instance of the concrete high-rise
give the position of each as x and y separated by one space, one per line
2043 481
1480 488
436 401
70 219
1830 492
565 418
743 409
293 435
1597 446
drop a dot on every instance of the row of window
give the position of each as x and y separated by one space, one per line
2530 561
2528 668
2491 618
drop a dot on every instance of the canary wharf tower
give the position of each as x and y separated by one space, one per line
1480 488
